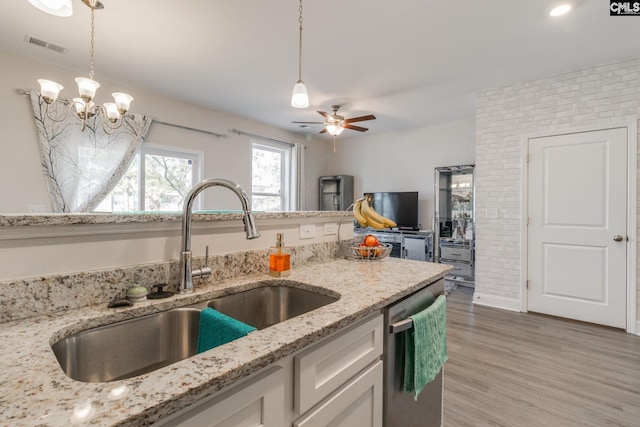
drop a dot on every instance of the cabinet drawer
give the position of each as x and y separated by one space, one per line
462 269
359 403
455 253
323 368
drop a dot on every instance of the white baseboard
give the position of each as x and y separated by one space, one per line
637 332
504 303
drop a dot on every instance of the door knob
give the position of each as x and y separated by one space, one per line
617 238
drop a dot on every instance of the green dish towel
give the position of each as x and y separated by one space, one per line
425 347
217 328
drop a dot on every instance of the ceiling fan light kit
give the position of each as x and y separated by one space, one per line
334 123
335 129
300 96
84 106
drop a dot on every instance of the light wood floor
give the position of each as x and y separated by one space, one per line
520 370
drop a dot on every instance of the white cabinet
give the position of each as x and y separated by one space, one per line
258 402
325 367
359 403
337 382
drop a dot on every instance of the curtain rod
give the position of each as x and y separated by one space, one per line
208 132
240 132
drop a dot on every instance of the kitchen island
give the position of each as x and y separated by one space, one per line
35 392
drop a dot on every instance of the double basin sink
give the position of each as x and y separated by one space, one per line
134 347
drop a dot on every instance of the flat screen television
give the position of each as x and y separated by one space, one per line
400 206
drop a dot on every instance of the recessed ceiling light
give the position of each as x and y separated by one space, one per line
560 10
54 7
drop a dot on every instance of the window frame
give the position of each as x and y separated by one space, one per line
197 158
286 168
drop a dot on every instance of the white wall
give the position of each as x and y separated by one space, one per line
404 160
599 95
21 179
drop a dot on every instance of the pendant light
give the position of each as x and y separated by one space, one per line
54 7
300 97
112 112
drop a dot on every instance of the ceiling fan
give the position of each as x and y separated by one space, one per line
335 123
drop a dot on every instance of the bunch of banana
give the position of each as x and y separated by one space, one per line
367 216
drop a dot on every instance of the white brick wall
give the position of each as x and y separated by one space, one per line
598 95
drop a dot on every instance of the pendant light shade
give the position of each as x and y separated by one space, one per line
300 97
54 7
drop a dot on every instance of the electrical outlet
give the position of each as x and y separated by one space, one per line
330 229
307 231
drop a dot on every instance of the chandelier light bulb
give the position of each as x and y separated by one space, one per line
123 101
87 87
49 90
112 111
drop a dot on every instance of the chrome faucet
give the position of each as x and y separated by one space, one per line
186 273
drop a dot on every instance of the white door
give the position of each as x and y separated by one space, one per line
577 211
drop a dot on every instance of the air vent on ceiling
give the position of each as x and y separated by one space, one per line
41 43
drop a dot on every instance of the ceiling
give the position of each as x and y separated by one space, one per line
411 62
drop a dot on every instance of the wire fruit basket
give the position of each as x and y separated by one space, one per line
359 252
356 250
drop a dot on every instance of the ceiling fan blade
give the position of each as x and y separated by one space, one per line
361 118
310 123
358 128
325 115
323 130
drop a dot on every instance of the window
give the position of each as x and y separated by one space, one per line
157 181
271 176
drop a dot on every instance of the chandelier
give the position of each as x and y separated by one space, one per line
84 106
300 97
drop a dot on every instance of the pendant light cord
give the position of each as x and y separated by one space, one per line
300 45
92 48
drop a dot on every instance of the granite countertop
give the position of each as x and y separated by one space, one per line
35 392
26 220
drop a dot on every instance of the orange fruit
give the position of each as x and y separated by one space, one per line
364 251
370 240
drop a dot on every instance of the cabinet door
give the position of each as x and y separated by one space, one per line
359 403
415 248
256 403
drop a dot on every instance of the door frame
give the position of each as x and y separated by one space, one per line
632 171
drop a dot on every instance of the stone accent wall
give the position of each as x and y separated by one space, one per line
593 96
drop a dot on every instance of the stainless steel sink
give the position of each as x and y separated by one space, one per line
130 348
134 347
267 305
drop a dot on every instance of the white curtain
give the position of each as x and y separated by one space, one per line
82 167
298 164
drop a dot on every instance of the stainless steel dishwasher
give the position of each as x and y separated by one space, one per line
400 409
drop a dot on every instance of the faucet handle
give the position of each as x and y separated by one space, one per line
205 270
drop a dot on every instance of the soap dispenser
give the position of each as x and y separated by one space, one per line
279 258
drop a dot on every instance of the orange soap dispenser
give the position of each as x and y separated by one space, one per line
279 258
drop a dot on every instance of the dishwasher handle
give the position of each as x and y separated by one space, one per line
402 325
